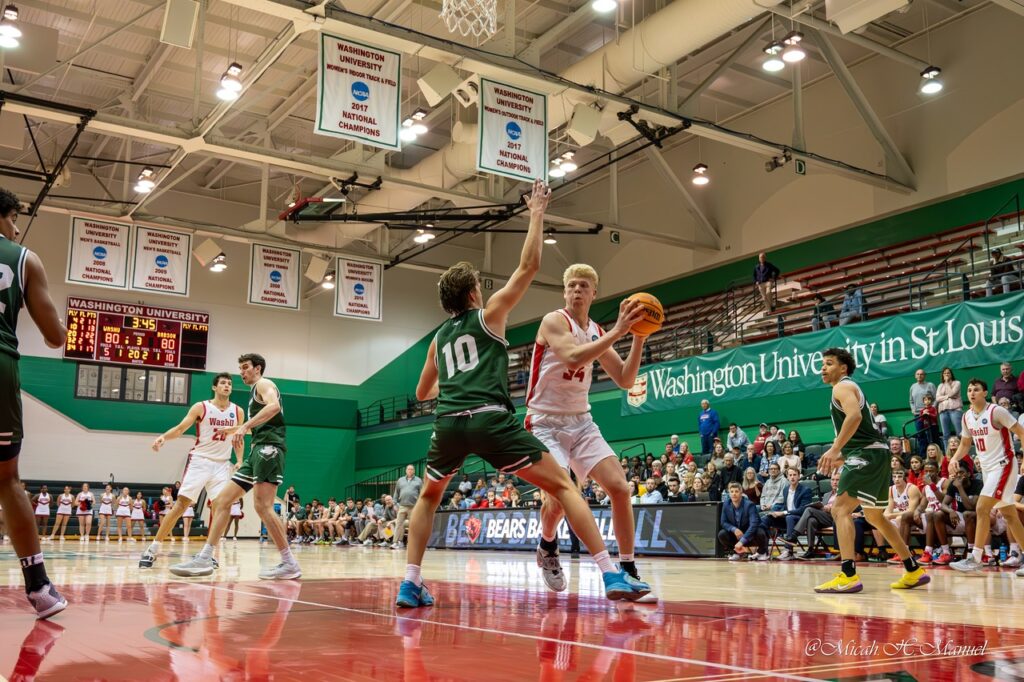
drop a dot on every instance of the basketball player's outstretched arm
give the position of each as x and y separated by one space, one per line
427 388
191 417
266 390
555 334
846 395
40 305
505 299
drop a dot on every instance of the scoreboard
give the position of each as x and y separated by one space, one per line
133 334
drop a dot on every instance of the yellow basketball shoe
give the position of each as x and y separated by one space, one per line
841 583
911 580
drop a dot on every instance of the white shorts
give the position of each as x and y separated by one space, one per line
202 472
573 440
1000 483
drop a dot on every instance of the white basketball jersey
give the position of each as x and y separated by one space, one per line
554 387
991 434
900 501
210 442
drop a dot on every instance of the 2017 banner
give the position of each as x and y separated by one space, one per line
358 92
358 289
513 127
274 276
960 335
98 253
162 261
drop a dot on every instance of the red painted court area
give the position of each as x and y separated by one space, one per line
348 630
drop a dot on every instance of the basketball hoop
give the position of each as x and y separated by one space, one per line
479 17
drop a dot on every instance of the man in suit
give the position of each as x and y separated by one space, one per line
796 499
741 527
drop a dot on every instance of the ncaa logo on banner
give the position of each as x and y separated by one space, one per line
99 253
161 261
360 91
513 130
275 276
637 395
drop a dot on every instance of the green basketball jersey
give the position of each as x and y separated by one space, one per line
12 295
271 432
472 364
866 435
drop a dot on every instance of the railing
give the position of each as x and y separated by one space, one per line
625 451
382 483
394 408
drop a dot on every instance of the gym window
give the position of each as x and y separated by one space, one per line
132 384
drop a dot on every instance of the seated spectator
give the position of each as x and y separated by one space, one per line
535 500
651 496
730 473
761 438
1005 403
853 306
718 454
691 467
373 531
465 486
515 500
492 501
1006 385
751 486
685 456
700 491
958 506
823 315
817 516
713 480
896 448
687 484
600 497
773 490
751 459
966 463
789 459
881 424
741 527
736 438
768 458
456 503
797 443
796 499
896 464
904 508
660 485
675 493
1003 274
915 475
934 452
657 469
481 487
934 520
673 444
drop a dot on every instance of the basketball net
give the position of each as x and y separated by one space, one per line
477 17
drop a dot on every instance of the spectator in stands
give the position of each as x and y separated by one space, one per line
516 500
373 531
824 314
773 490
291 496
675 493
853 306
789 459
713 481
751 458
896 447
708 426
958 505
751 486
651 494
934 521
896 464
736 438
700 491
949 404
795 500
1009 407
934 453
492 501
765 275
685 456
881 424
686 484
918 390
816 516
761 438
904 508
797 442
465 486
600 497
741 527
769 457
1002 274
407 491
480 487
915 475
455 503
731 472
1006 385
673 442
966 462
718 454
929 418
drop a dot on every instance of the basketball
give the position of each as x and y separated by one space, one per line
654 314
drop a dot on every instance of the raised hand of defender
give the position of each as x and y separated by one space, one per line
158 443
630 312
537 202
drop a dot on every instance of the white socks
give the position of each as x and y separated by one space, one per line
286 556
413 574
604 562
154 547
206 552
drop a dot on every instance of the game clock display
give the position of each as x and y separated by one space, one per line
131 334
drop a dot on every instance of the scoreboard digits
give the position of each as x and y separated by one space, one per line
128 334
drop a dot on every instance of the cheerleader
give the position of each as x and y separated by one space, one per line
123 513
166 502
236 516
186 520
106 511
64 502
84 502
138 516
41 503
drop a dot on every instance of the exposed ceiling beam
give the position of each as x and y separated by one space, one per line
690 103
553 36
672 180
1016 6
153 64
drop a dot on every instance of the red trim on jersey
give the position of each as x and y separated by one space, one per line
198 422
187 462
538 355
1004 477
528 423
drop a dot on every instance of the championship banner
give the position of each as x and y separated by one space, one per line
98 253
162 261
513 126
358 289
689 529
358 92
986 331
274 276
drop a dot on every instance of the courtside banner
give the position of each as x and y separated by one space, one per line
162 261
274 276
513 126
358 92
98 253
982 332
662 529
358 289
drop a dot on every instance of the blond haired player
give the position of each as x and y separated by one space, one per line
558 413
209 461
989 427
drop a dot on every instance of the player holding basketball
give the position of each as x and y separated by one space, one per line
864 479
262 471
22 283
209 461
467 370
990 427
558 413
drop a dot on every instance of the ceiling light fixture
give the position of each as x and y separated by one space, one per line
930 81
700 174
793 52
328 282
219 264
568 165
773 62
9 33
145 182
604 6
230 85
423 236
549 237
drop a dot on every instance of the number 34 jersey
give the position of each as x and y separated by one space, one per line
472 365
556 388
211 441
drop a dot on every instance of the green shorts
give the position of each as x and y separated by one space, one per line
867 475
10 408
496 437
265 464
